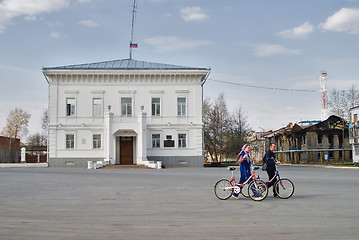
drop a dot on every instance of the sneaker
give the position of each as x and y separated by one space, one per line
235 195
236 192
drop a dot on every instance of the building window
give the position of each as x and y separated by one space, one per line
155 140
351 132
320 138
97 107
126 106
181 140
181 106
156 110
96 141
70 106
356 149
70 141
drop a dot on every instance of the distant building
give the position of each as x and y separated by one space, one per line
354 132
125 112
326 141
257 142
9 154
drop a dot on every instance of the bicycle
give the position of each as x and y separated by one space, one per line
284 188
257 189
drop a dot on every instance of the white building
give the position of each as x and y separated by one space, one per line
354 132
126 112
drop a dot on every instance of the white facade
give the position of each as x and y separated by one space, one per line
125 115
354 132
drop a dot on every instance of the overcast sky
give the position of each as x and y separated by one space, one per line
255 45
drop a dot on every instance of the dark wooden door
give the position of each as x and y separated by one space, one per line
126 150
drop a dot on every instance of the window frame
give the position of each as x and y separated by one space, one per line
156 142
181 106
97 112
156 106
70 143
127 107
70 107
98 144
182 141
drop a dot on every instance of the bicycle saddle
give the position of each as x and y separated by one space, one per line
256 168
231 168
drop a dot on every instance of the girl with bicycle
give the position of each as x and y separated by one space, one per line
244 160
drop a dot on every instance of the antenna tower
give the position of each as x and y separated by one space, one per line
323 92
132 45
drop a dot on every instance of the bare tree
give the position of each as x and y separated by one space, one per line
216 121
40 139
44 126
35 140
238 130
340 101
16 126
224 133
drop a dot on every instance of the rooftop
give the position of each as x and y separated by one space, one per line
125 64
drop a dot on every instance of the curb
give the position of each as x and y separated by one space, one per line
24 165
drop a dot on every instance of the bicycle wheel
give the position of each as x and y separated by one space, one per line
223 189
257 190
244 190
284 188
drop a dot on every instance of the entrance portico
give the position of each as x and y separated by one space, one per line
128 139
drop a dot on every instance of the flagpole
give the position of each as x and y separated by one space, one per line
133 24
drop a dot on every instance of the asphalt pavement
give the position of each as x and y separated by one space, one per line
173 203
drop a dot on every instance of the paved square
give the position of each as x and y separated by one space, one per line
175 203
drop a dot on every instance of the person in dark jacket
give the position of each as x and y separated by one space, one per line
271 161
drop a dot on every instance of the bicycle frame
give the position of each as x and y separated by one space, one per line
275 176
233 179
257 189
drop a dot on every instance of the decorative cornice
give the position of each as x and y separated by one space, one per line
136 78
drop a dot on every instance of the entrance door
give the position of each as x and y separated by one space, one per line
126 150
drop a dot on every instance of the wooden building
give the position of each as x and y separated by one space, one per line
323 142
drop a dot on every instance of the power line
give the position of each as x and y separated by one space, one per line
262 87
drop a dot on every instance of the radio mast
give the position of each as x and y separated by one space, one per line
323 92
132 44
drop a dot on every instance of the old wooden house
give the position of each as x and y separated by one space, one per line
323 142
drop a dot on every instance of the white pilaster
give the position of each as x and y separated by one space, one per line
108 138
142 143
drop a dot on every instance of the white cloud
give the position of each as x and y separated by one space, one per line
193 14
264 50
170 43
10 9
302 31
88 23
54 34
84 1
345 20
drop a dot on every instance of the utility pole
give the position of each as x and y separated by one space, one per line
323 77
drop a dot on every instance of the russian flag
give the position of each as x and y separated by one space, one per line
133 45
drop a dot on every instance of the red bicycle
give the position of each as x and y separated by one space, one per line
257 190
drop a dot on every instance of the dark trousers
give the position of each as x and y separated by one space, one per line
271 174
